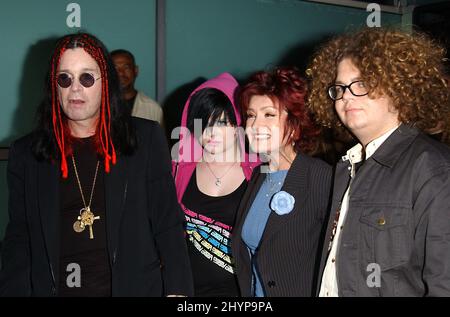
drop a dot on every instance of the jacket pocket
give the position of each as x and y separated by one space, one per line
384 234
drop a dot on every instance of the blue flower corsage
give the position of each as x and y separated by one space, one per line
282 203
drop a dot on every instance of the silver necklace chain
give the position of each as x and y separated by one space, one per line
218 181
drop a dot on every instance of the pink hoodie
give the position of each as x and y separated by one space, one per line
190 151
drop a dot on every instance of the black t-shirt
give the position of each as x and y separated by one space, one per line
90 255
209 221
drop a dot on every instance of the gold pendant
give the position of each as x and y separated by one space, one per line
78 226
86 218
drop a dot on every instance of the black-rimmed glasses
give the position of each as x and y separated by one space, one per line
357 88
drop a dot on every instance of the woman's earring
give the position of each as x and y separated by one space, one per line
293 142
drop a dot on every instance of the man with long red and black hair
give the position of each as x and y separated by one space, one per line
92 204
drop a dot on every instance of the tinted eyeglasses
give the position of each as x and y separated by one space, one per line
357 88
86 80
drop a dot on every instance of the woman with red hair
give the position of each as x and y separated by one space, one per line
279 224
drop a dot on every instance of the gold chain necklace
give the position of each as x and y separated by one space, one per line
218 181
86 217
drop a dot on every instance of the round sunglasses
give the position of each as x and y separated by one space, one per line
86 80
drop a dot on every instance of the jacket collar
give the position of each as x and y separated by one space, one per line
390 151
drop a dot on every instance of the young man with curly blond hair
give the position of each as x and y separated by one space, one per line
389 227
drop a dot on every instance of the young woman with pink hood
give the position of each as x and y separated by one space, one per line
211 171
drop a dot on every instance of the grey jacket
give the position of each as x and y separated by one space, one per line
396 238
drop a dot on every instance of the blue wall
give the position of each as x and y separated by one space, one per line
207 37
204 38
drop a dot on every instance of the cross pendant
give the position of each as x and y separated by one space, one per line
91 231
